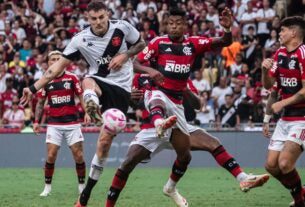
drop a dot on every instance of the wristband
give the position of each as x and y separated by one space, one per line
267 118
227 30
33 89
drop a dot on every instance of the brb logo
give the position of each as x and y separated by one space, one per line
60 99
171 66
289 82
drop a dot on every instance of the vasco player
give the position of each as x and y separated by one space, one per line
104 47
146 145
287 141
62 122
174 54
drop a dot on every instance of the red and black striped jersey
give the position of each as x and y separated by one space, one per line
60 94
288 70
174 60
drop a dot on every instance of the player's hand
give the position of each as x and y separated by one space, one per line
26 97
226 18
117 61
87 119
136 94
36 128
267 64
156 76
266 131
277 107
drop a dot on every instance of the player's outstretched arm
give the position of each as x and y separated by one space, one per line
153 73
53 71
226 21
271 100
296 98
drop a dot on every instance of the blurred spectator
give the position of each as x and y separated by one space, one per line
238 9
227 113
250 44
16 64
152 18
147 33
26 50
200 83
164 10
219 92
270 45
18 32
6 98
206 114
213 16
248 19
14 116
3 77
264 18
144 5
131 16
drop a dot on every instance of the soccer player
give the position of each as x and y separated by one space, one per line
287 70
104 46
62 122
146 144
174 54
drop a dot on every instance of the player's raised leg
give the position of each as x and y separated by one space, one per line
52 150
91 95
203 141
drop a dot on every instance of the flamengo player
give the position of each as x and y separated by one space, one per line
104 47
287 141
174 54
145 145
62 122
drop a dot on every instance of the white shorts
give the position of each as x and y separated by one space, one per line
171 108
56 133
287 131
149 140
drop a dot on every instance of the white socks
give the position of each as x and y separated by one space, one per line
96 168
242 176
170 184
91 95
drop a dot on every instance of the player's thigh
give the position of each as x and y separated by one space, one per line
180 141
202 140
89 83
54 135
52 150
289 155
272 159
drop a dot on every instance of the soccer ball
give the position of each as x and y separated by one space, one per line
114 121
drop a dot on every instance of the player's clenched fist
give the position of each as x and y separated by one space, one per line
267 63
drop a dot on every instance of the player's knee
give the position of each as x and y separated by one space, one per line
285 166
87 83
185 158
129 164
52 157
79 156
104 147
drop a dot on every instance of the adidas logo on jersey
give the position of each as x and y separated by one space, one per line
51 87
168 50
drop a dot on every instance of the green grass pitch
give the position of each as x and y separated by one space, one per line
203 187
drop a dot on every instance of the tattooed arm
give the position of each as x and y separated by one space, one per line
135 49
38 114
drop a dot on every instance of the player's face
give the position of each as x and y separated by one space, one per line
53 59
176 26
98 21
286 35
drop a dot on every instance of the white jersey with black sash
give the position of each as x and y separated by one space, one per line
98 51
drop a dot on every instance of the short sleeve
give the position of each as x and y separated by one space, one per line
72 52
149 52
132 35
202 44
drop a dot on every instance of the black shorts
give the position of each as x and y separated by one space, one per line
113 96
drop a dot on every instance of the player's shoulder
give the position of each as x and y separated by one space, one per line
69 74
82 33
301 51
120 23
281 51
159 39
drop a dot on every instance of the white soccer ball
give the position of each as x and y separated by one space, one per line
114 121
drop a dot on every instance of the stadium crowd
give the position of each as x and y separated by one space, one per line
228 79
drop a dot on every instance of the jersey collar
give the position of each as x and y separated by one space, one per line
104 33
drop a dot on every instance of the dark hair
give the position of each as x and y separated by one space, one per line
177 12
294 21
96 6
